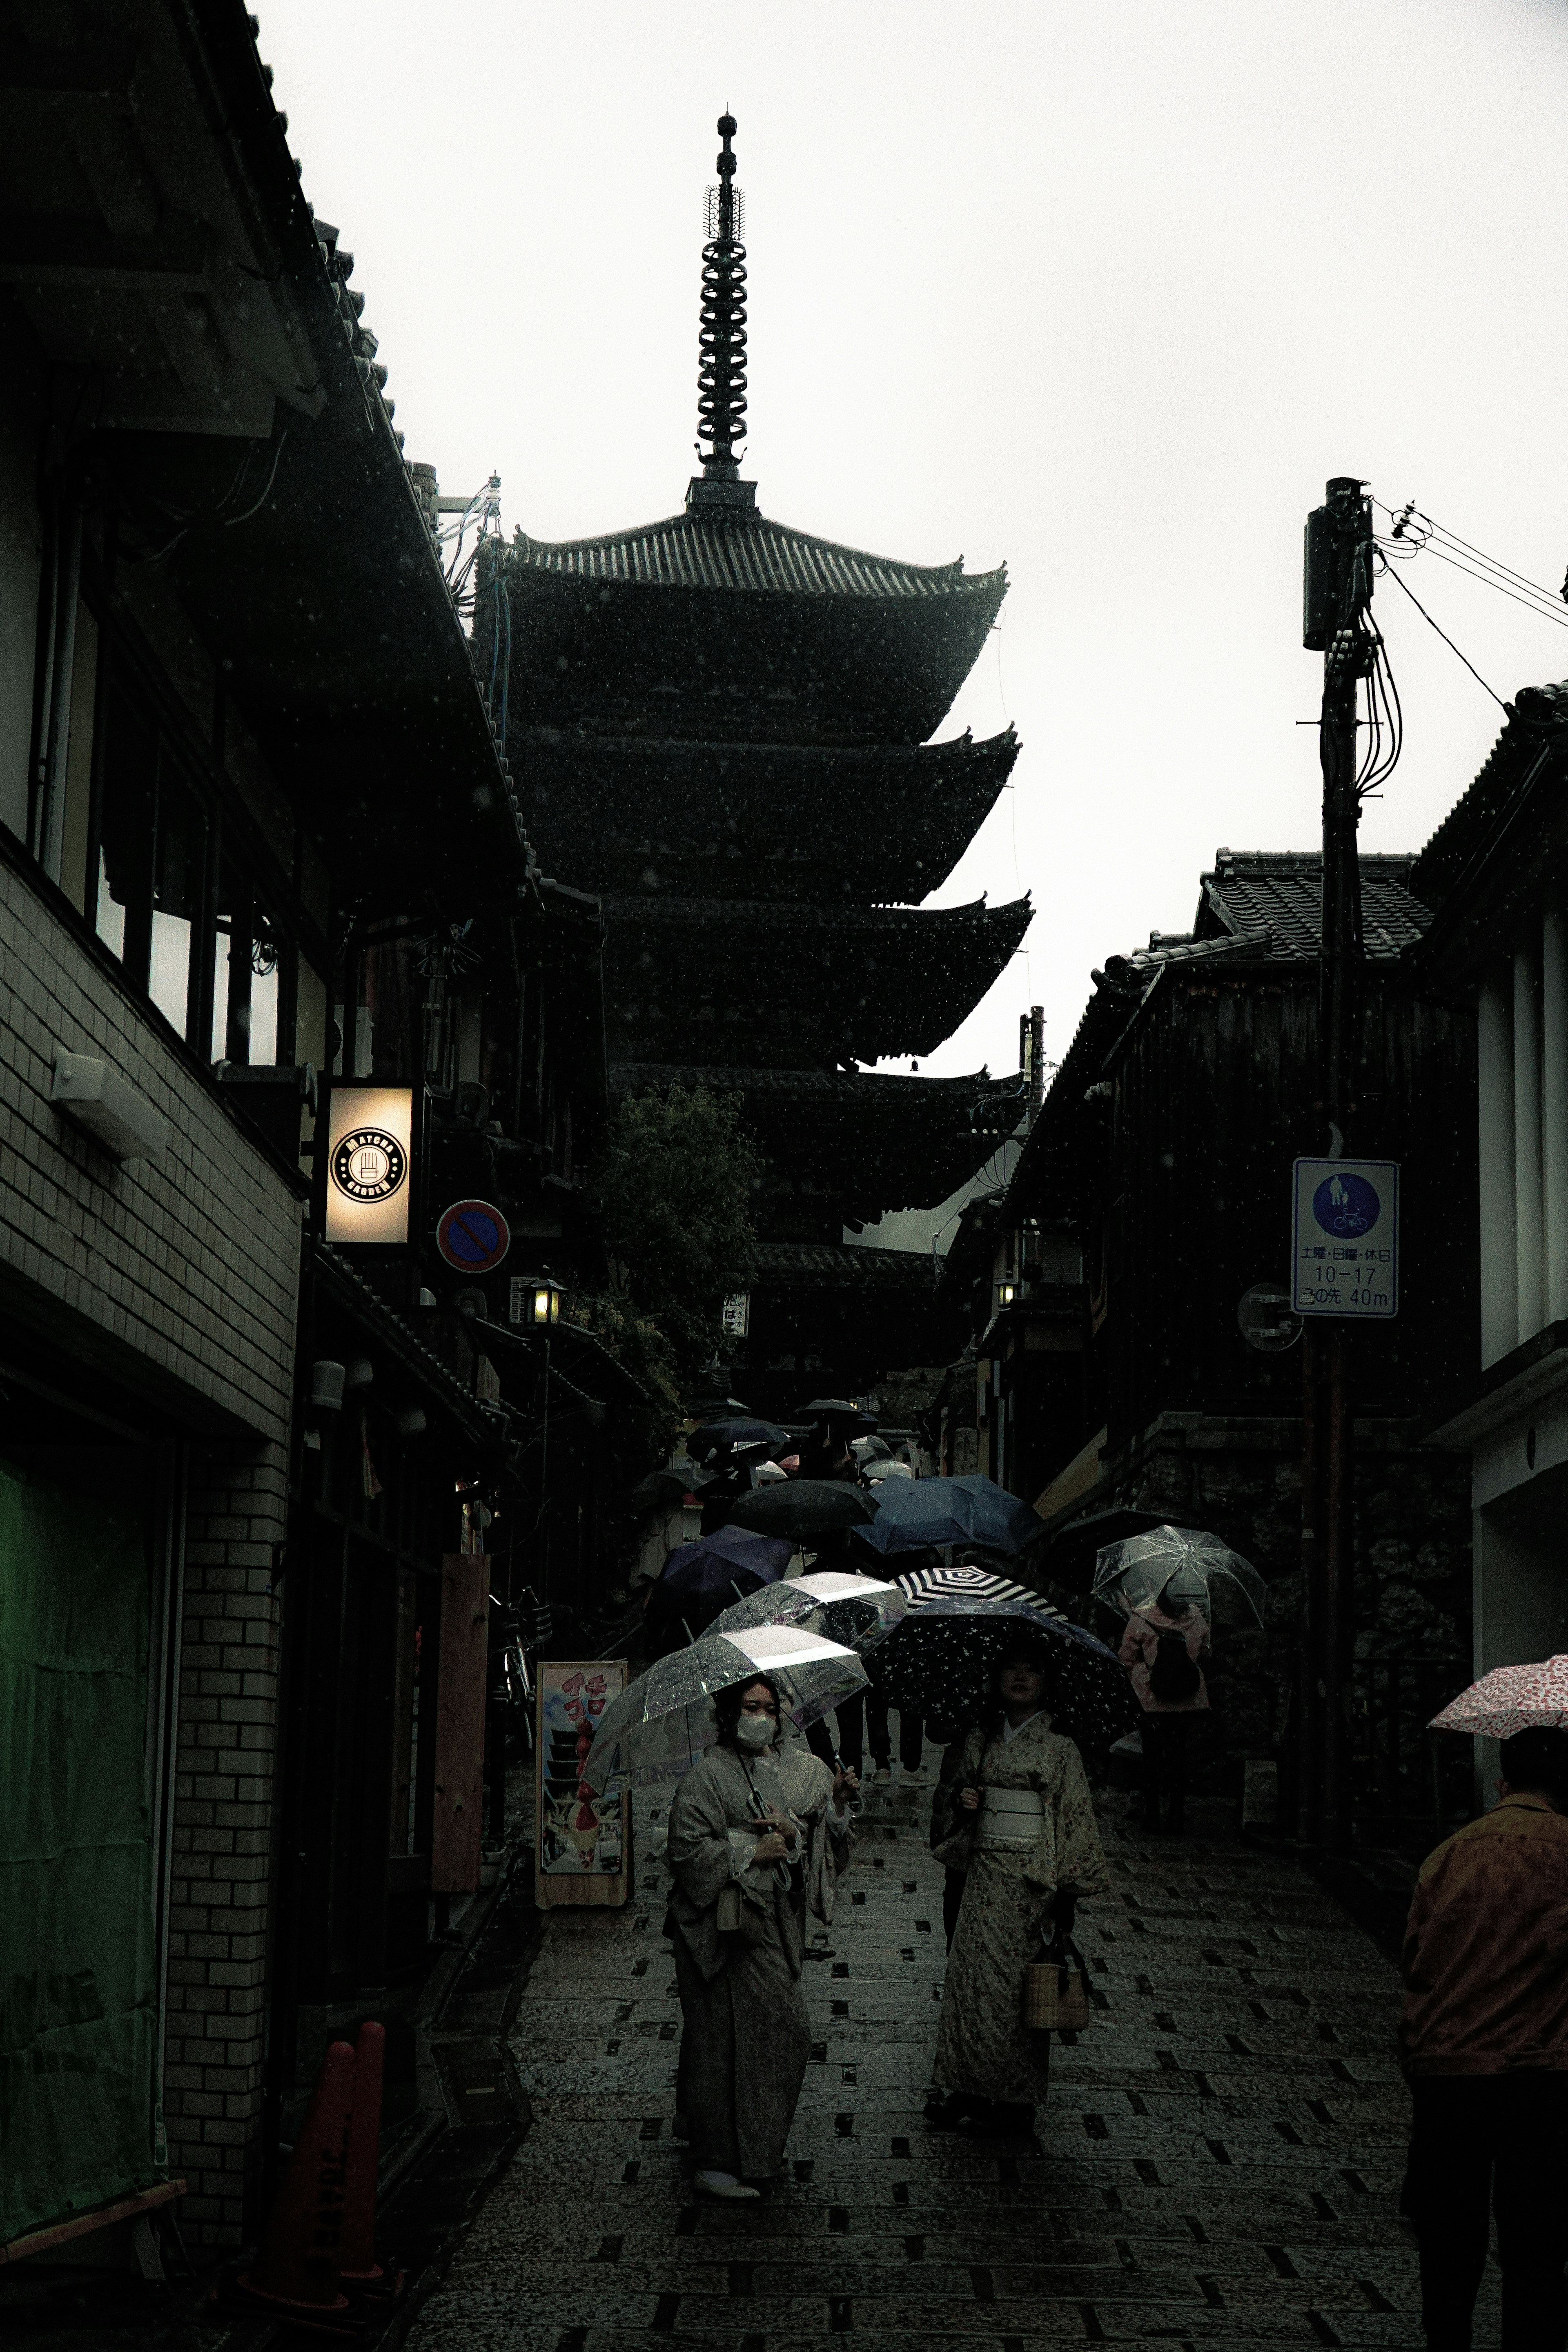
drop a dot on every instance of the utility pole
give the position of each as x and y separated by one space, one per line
1338 591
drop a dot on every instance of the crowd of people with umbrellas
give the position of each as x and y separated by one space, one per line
831 1585
831 1581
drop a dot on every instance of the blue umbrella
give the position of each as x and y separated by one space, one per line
915 1515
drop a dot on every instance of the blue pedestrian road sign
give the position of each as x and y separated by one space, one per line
1344 1238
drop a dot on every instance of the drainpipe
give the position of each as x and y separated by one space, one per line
53 734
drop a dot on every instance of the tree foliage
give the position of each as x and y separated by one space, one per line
674 1188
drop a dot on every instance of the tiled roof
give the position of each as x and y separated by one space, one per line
365 1303
1536 721
747 552
1282 890
820 1264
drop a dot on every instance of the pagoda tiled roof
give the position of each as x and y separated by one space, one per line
750 982
688 551
821 1265
867 824
849 923
852 1145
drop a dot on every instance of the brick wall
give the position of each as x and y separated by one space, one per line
178 1280
223 1822
182 1272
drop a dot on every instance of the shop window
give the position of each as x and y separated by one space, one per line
179 876
253 977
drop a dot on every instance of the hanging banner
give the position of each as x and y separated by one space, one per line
370 1155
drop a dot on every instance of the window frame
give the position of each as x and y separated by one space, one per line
232 834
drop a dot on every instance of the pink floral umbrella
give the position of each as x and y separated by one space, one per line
1510 1699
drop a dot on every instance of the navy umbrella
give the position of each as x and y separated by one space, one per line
730 1559
922 1514
700 1579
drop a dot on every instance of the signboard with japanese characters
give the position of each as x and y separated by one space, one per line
1344 1240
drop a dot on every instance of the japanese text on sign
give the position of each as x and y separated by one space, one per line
1344 1244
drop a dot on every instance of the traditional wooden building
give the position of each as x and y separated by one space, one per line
1105 1288
258 841
1496 876
721 724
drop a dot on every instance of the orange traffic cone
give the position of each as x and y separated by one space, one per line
356 2251
297 2263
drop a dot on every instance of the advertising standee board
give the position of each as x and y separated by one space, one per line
582 1853
1344 1238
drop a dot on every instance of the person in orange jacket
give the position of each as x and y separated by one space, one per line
1484 2044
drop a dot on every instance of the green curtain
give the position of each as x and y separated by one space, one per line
78 1980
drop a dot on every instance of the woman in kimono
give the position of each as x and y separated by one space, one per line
758 1833
1011 1811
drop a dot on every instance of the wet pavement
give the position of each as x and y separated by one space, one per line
1219 2162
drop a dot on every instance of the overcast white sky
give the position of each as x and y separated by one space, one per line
1102 292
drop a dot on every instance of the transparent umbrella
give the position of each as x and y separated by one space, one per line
859 1611
1195 1570
660 1724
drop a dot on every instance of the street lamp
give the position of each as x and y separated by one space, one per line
1006 1293
536 1299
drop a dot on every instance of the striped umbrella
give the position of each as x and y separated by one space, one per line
924 1584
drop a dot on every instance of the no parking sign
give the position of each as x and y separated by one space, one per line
473 1236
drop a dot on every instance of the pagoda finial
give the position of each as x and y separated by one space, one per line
722 371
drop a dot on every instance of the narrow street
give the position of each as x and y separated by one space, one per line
1220 2162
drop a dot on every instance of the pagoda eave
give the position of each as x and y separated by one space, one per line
870 826
699 981
741 664
871 1140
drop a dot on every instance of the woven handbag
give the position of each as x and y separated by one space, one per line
1056 1992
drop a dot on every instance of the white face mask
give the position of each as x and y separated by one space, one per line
756 1731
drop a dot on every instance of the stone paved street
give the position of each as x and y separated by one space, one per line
1220 2162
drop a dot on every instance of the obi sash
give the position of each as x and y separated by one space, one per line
1011 1817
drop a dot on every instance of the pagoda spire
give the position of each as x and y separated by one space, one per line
722 368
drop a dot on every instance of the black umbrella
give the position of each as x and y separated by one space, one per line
803 1508
659 1491
941 1660
739 1429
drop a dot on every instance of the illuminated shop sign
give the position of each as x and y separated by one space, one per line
370 1148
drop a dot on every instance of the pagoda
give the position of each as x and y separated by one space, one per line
720 725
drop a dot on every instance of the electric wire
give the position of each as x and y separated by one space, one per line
1430 530
1447 640
1415 533
230 520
